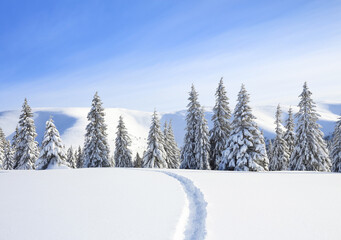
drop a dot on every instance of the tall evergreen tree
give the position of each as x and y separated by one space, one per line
336 148
221 126
171 147
122 155
310 152
245 148
26 152
155 156
52 154
79 157
138 161
280 154
8 156
195 152
96 148
71 158
289 135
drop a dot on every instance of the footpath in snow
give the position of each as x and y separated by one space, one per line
195 227
270 205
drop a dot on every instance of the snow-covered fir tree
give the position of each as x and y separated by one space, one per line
165 145
71 158
122 155
280 153
138 161
269 150
79 157
245 149
289 135
52 154
8 156
310 152
2 147
14 144
112 160
329 142
96 148
171 147
155 155
221 126
26 152
336 148
195 152
260 150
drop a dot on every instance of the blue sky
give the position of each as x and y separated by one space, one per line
146 54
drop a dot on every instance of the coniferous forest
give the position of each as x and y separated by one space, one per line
235 142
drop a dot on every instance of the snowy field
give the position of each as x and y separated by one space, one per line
168 204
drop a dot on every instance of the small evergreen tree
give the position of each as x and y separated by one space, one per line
112 161
8 156
2 147
52 154
289 135
138 161
269 150
245 149
329 142
336 148
122 154
171 148
280 154
310 152
71 158
96 148
221 126
260 150
166 145
14 144
155 156
79 157
195 152
26 152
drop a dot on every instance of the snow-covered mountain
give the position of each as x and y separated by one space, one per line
71 122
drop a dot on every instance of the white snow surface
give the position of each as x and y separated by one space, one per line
270 205
117 203
89 204
71 122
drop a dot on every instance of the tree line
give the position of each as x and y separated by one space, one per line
236 145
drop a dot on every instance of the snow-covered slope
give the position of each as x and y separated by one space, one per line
114 203
71 122
89 204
